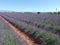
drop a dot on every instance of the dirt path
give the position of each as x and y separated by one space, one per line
21 34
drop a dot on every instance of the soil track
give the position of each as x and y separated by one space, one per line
21 34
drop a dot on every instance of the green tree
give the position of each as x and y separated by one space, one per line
38 12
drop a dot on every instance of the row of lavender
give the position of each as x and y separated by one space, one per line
48 22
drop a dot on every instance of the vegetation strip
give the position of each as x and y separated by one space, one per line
38 36
23 35
48 28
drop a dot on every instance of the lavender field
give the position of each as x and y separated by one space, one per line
43 28
8 36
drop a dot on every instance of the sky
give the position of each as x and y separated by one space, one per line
30 5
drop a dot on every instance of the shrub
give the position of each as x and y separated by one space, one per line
57 29
58 12
48 26
38 12
49 12
55 12
49 42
